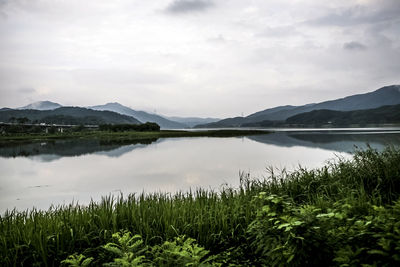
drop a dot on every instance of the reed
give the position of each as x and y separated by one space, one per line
218 220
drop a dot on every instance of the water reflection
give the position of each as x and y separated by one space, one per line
56 149
335 141
58 172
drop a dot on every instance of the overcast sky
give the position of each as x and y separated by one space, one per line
214 58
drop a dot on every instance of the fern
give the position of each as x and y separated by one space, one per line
76 260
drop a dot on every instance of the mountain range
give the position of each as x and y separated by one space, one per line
42 105
333 118
388 95
140 115
67 116
192 121
315 113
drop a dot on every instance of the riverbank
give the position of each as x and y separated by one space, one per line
126 135
344 213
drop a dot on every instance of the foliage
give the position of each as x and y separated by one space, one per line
144 127
306 235
76 260
66 115
181 252
346 213
381 115
128 250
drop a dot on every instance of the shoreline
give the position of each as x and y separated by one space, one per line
127 136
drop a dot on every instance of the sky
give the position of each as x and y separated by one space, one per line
209 58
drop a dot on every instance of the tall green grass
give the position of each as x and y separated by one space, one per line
225 222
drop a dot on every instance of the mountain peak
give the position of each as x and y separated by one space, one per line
384 96
42 105
140 115
393 87
112 105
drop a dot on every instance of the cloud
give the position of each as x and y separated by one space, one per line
27 90
3 6
187 6
360 14
354 46
278 32
218 39
139 53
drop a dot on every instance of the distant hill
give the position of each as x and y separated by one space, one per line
42 105
225 123
192 121
325 117
140 115
68 115
381 115
388 95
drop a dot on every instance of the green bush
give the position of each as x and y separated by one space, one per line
144 127
306 235
128 250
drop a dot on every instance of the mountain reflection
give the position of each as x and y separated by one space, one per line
52 150
340 142
335 141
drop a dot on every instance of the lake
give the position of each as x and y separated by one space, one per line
59 172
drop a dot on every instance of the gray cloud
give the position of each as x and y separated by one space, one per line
354 46
218 39
186 6
258 53
355 15
278 32
3 5
27 90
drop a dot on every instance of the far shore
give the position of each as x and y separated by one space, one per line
127 135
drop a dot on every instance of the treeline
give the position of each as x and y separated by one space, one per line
323 117
66 115
382 115
144 127
39 129
71 120
51 129
61 119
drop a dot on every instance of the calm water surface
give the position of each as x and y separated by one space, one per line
41 174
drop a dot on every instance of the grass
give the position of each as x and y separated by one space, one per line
125 136
347 212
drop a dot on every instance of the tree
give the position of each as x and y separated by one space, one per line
23 120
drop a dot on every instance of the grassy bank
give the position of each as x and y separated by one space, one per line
346 213
125 136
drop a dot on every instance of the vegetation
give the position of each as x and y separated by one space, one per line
66 115
382 115
12 129
150 132
385 96
148 126
346 213
332 118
